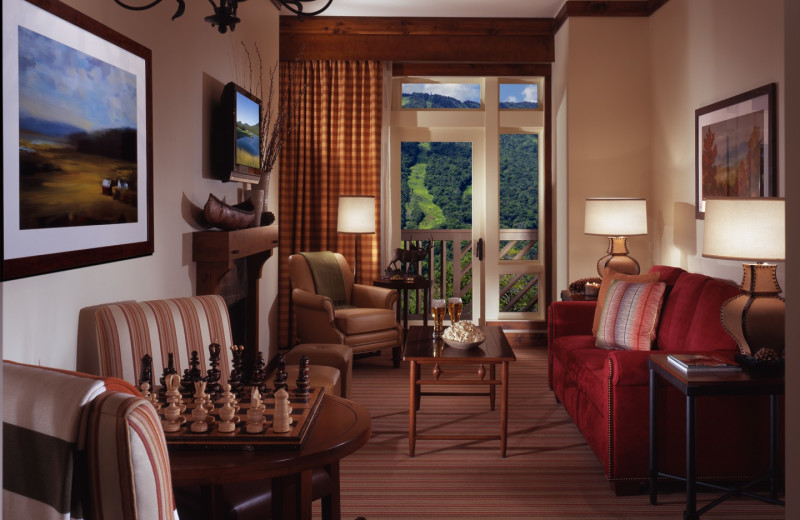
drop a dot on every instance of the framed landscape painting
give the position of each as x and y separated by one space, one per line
735 147
77 154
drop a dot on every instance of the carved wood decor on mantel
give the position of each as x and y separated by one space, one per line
454 40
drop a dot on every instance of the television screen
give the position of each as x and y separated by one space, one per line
239 142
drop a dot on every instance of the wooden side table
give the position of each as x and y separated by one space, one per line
402 287
714 383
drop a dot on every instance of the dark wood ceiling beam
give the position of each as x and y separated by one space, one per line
418 39
459 40
470 69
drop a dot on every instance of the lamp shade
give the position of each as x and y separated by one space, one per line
356 214
615 217
745 229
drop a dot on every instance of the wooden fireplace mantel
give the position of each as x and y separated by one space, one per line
215 252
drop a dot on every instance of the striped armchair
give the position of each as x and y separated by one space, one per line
113 338
81 447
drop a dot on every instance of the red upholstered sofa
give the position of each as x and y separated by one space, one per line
606 392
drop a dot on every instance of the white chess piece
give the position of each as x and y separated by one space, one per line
255 414
282 420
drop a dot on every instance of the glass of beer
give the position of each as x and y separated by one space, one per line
438 309
454 306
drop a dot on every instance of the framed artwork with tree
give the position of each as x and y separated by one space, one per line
735 147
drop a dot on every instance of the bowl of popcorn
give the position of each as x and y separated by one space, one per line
463 335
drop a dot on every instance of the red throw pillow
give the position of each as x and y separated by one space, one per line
608 276
629 315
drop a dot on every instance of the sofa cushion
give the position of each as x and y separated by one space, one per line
690 319
629 315
608 276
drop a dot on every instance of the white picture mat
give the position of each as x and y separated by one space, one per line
739 109
19 243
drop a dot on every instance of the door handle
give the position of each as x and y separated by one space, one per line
479 249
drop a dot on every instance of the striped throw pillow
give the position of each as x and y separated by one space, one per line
630 315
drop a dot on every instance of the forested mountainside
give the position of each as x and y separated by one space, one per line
437 184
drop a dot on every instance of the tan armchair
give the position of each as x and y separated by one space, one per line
367 321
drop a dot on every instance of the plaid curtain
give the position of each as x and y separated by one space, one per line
334 151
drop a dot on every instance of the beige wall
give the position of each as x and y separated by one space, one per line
191 63
699 56
606 78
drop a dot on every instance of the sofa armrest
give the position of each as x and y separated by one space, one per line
629 367
571 318
372 296
315 309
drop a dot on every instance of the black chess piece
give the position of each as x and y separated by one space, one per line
146 373
236 379
280 375
169 369
303 380
191 375
259 375
213 388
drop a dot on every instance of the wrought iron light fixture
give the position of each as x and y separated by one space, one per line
224 16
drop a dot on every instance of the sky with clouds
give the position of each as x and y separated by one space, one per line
59 83
512 92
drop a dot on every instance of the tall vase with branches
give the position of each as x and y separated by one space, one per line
276 121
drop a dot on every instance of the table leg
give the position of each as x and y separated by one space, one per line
503 409
331 504
427 310
405 314
773 444
412 409
653 439
691 471
493 388
291 496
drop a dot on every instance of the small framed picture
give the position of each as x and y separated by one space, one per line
735 147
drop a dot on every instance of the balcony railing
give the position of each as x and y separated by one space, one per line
449 264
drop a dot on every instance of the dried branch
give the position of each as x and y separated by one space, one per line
276 125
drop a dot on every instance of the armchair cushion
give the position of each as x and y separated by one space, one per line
359 320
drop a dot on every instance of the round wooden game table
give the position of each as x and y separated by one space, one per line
341 427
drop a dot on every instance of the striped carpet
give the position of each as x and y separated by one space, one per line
549 471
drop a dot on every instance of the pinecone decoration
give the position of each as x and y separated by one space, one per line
766 355
578 286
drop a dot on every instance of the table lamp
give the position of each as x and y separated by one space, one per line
751 229
616 218
357 217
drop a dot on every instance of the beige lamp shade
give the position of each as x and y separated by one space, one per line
615 217
745 229
356 214
752 229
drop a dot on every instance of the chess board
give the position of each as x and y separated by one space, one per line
304 412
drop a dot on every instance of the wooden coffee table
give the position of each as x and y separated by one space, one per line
422 349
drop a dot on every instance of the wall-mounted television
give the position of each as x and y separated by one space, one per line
238 141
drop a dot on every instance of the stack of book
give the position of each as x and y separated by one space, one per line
702 363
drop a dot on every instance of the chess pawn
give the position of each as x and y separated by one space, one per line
228 396
282 419
174 419
200 418
228 417
151 397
